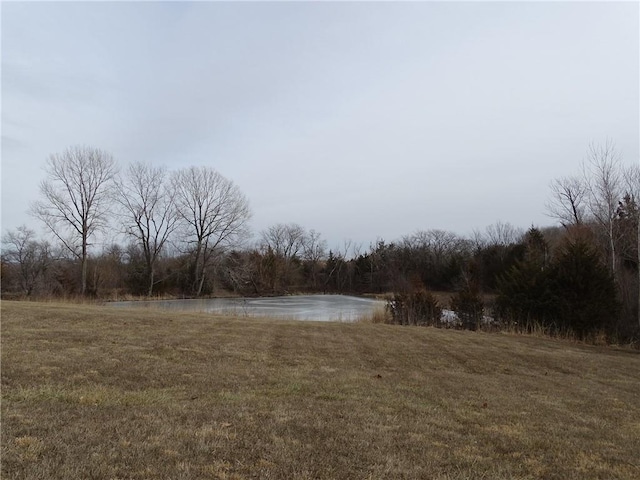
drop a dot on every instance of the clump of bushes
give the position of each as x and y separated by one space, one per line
419 307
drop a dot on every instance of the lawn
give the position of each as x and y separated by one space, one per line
101 393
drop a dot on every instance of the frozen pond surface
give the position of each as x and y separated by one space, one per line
296 307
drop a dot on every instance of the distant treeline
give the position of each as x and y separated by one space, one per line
186 236
554 276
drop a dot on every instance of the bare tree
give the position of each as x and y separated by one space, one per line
214 211
478 240
284 243
286 240
150 215
603 177
568 200
438 243
339 265
31 257
76 198
503 234
315 251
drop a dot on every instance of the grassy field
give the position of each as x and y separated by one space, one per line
100 393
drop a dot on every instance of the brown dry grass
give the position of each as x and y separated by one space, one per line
94 392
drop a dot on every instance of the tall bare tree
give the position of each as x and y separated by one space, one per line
603 177
76 198
150 216
214 211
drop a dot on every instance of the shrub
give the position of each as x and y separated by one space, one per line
416 308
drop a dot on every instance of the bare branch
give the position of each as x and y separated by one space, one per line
568 201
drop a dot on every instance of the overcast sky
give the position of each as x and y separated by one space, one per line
359 120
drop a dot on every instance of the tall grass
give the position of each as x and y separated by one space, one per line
378 315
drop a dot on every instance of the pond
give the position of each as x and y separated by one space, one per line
295 307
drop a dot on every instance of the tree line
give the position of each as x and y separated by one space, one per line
185 233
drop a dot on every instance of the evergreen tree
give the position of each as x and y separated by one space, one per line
526 292
586 290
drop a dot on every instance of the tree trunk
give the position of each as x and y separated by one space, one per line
200 283
151 278
84 267
201 253
201 265
613 250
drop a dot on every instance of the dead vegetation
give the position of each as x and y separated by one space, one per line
91 392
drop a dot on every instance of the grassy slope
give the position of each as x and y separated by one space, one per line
93 392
